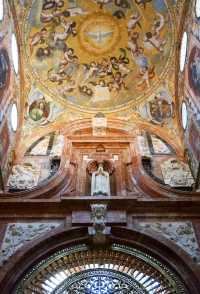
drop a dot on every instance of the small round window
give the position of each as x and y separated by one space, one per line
15 55
14 117
197 8
183 51
184 115
1 10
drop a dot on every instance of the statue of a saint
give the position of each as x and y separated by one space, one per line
100 182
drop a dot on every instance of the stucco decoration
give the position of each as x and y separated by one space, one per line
181 233
35 170
176 173
99 55
24 176
19 234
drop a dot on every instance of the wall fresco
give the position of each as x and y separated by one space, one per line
159 146
159 108
189 88
4 71
4 142
193 70
40 109
194 139
9 90
9 81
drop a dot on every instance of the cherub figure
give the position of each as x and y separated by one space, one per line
91 71
69 64
38 38
134 21
142 2
57 77
133 43
101 3
49 4
69 28
118 82
146 73
153 39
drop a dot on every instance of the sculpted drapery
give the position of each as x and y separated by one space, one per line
100 182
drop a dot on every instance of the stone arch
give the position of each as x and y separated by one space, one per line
144 240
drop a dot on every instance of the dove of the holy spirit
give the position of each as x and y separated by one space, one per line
99 36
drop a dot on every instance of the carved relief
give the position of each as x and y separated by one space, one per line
181 233
19 234
98 217
176 174
24 177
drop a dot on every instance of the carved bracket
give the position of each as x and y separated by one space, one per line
98 218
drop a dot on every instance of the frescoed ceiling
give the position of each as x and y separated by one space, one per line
111 56
99 55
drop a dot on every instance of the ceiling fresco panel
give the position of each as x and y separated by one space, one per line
99 55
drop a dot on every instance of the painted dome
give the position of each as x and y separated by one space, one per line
99 54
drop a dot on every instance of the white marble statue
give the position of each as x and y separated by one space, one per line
100 182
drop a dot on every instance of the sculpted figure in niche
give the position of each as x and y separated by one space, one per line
100 182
